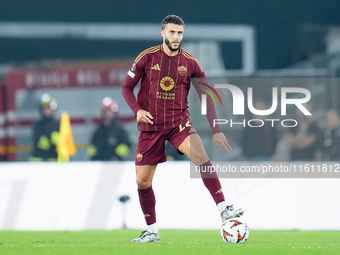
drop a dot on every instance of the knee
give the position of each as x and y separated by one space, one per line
144 176
143 183
200 158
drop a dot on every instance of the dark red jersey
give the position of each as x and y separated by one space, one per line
164 88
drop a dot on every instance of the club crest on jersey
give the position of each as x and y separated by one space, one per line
139 157
182 70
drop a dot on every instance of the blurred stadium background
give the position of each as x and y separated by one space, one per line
80 51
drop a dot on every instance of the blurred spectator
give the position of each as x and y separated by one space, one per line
303 138
309 54
110 141
259 143
46 131
2 152
331 136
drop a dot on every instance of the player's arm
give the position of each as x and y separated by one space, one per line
218 137
221 140
134 75
130 82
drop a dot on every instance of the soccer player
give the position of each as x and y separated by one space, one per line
161 110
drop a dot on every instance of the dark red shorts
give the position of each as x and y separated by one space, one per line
151 144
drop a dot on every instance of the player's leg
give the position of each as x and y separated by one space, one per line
194 149
144 177
149 152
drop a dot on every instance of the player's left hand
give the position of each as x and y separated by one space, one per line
220 139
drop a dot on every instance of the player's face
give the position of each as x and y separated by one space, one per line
173 36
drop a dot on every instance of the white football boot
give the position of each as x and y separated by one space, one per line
230 212
147 237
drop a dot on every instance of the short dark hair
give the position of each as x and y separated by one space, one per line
173 19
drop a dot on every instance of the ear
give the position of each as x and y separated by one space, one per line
162 33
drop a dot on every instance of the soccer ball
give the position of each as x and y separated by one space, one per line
234 230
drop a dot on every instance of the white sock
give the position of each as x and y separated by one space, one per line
221 206
153 228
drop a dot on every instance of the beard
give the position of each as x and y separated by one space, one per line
167 42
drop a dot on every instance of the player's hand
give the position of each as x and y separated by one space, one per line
220 139
144 117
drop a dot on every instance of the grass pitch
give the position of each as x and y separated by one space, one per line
172 242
